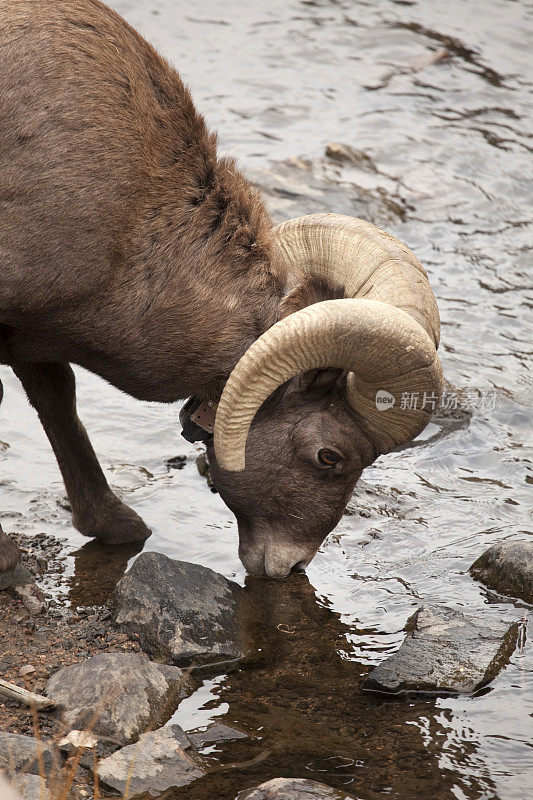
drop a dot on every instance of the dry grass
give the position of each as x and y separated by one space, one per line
62 780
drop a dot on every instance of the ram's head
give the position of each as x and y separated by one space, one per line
327 389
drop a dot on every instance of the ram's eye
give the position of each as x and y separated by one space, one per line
328 457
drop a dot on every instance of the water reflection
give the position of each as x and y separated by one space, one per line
307 716
97 570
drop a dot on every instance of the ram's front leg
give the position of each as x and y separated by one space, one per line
96 512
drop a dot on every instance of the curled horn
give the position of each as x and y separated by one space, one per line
384 333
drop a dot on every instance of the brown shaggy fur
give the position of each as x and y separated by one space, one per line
128 247
120 226
311 289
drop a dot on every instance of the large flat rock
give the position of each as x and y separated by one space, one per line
445 651
293 789
507 568
160 760
22 753
118 695
181 612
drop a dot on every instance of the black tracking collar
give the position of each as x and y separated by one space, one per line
197 419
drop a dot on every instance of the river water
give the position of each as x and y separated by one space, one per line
437 98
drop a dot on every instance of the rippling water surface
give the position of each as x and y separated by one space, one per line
437 97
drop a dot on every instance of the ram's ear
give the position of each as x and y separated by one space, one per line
320 380
312 289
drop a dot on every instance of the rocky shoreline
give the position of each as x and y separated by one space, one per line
112 702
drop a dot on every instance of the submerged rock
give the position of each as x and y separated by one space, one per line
216 732
345 154
445 651
23 753
293 789
291 191
182 612
507 568
160 760
118 695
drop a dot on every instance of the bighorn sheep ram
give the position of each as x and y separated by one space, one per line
128 247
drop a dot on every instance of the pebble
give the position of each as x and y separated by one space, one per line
32 598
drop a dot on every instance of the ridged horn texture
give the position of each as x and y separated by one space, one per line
384 334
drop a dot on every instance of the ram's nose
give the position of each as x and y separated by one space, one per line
276 561
280 561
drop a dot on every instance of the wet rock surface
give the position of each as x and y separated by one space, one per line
160 760
292 789
18 752
182 612
345 154
216 732
118 695
445 651
507 568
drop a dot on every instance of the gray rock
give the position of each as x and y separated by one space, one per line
507 568
18 752
293 789
32 598
118 695
445 651
160 760
216 732
31 787
181 612
15 577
